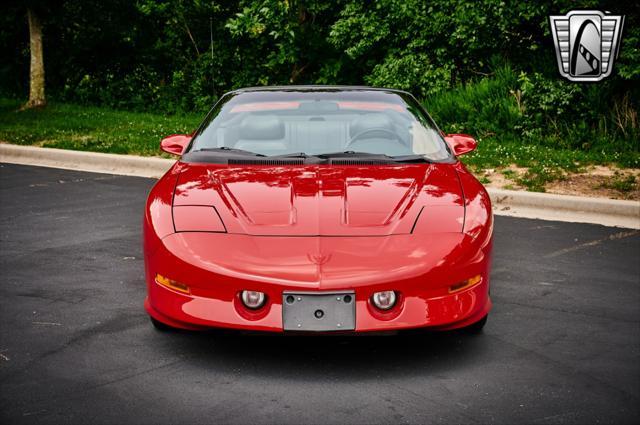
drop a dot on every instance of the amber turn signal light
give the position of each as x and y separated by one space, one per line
172 284
465 284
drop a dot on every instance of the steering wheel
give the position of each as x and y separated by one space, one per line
369 130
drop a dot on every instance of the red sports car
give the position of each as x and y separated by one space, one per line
318 209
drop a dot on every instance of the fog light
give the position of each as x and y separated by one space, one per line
172 284
465 284
384 300
253 299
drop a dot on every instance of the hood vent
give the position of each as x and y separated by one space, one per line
272 162
343 161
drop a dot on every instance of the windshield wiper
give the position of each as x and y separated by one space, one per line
412 158
291 155
226 150
351 154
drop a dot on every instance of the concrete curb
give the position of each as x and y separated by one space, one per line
544 206
566 202
127 165
579 209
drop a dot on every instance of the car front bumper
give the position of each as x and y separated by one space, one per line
217 267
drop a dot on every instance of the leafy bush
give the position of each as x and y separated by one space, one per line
518 117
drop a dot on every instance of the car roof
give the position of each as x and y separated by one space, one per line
317 87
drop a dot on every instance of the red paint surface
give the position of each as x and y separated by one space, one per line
461 143
318 228
175 144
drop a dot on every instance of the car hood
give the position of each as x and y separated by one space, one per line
320 200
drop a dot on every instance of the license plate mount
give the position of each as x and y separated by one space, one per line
319 311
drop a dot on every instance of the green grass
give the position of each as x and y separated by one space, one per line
545 164
621 183
90 128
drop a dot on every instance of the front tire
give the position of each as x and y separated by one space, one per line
162 327
477 327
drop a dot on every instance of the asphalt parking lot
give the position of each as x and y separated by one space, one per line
562 344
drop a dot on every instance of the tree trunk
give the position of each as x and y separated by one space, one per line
36 82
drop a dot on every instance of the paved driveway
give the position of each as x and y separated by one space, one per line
562 343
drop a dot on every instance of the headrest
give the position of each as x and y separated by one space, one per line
261 127
370 121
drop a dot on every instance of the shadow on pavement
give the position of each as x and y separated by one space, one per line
307 357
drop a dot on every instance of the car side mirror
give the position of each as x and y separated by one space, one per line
461 143
175 144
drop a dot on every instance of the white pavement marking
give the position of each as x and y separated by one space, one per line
47 323
613 237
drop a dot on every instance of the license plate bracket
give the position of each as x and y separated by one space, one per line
319 311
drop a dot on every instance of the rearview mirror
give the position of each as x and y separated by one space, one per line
175 144
461 143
